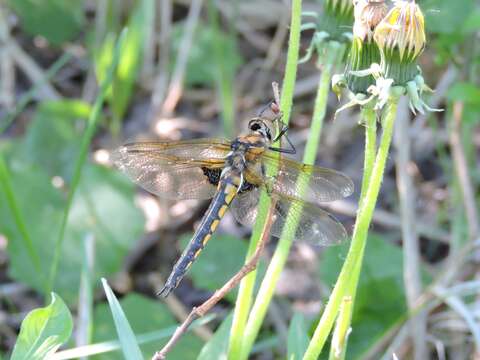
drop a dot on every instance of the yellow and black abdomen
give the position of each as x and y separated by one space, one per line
226 191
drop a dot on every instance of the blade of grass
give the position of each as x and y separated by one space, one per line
279 258
107 346
175 88
244 297
342 330
224 77
129 344
130 61
6 184
87 138
83 334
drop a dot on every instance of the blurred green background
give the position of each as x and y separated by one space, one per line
190 69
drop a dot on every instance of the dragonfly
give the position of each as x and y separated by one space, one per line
233 174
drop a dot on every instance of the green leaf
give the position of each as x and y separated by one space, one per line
219 261
57 20
217 346
125 333
297 337
103 207
145 315
43 331
199 69
52 139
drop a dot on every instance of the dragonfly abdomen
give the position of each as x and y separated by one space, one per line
226 191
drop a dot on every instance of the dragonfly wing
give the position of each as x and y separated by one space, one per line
318 184
244 207
174 170
306 221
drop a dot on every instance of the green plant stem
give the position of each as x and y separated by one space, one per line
369 120
355 253
82 157
6 184
279 258
342 330
244 298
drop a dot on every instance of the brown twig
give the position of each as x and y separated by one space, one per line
200 311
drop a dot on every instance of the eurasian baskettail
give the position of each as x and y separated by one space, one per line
232 174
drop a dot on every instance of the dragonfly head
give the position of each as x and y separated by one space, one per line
259 126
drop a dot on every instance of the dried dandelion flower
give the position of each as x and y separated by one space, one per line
400 37
364 51
368 14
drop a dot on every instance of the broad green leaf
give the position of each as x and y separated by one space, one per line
380 300
57 20
52 138
199 70
103 207
124 331
144 315
219 261
217 347
43 331
297 337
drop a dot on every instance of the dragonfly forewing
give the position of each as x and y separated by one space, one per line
176 170
317 184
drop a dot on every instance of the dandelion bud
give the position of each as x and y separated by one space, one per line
364 51
401 39
337 19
